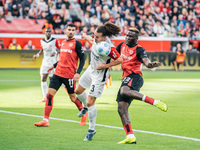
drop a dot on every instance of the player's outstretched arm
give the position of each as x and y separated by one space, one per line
112 63
150 64
87 38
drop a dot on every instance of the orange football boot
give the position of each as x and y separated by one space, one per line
84 119
42 123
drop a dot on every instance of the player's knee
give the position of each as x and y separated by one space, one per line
123 92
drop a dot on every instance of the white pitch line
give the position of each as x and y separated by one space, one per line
106 126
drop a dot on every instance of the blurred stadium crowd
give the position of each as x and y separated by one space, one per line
155 18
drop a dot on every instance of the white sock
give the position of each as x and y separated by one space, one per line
44 89
143 98
130 136
92 115
83 98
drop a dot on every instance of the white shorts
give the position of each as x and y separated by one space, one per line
43 70
90 81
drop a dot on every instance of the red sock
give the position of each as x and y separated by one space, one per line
128 129
149 100
48 106
78 104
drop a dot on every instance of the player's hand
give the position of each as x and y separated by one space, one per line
83 35
49 70
76 77
154 64
52 54
35 56
102 66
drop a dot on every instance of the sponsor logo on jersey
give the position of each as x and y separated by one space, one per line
126 57
71 44
66 50
95 56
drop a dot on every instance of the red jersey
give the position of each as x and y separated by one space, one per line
70 52
132 58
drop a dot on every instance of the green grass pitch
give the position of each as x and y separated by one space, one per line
177 129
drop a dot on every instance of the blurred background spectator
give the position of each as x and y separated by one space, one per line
29 46
1 44
164 18
14 45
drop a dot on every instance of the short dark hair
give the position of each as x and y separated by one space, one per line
71 25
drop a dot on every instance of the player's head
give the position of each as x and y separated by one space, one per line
108 29
48 33
70 31
132 36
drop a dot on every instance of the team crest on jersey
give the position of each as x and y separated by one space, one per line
71 44
131 52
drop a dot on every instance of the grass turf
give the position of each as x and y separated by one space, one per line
20 90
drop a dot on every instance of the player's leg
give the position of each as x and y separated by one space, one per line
84 83
123 105
54 85
44 86
125 118
92 115
130 88
69 84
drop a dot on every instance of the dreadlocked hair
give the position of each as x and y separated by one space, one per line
109 29
134 30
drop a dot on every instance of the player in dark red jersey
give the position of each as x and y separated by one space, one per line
66 73
133 56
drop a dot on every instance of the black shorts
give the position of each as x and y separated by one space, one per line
134 82
57 81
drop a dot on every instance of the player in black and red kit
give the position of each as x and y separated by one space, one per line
133 56
66 73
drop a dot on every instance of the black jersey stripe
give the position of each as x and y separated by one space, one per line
104 75
49 40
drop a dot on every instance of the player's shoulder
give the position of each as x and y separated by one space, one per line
140 48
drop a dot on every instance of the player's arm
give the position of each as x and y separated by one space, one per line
57 50
81 55
87 38
117 59
38 54
142 56
52 67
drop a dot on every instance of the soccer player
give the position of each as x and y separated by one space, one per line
97 73
133 56
50 47
66 73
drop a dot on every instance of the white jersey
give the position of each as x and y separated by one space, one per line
96 59
49 46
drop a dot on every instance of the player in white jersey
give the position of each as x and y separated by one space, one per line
50 48
97 73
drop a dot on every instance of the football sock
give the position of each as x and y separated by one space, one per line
48 106
78 104
83 98
44 88
92 115
128 129
148 99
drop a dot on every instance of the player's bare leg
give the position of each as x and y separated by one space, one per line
126 91
125 118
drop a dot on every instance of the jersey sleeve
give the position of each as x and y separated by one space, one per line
41 44
114 53
141 53
58 45
81 55
118 48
